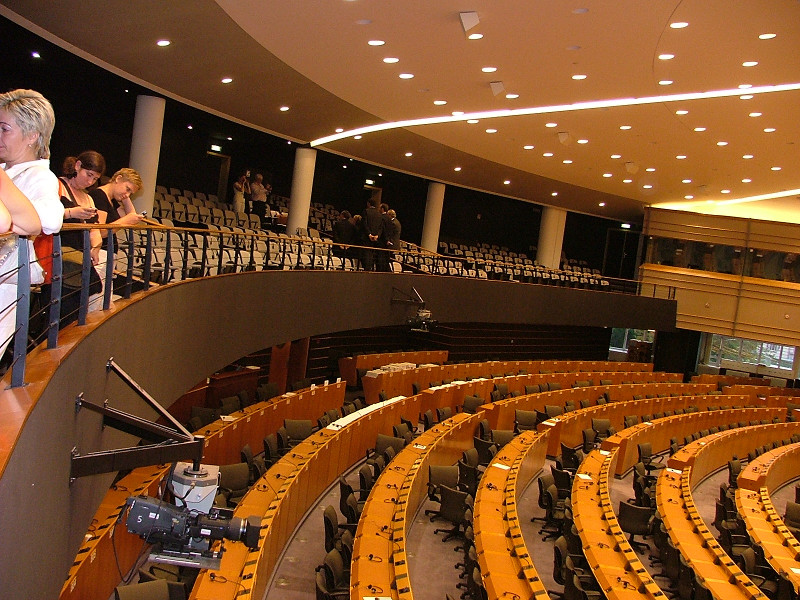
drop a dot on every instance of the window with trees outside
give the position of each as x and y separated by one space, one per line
620 337
749 352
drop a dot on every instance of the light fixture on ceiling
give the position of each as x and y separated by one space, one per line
497 87
631 167
564 138
227 79
469 20
163 43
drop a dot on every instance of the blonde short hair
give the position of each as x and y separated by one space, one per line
33 114
129 175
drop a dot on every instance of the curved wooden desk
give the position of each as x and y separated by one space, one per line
503 557
395 383
290 487
380 566
660 431
91 576
349 365
689 466
767 473
619 572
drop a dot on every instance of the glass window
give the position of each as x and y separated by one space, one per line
749 352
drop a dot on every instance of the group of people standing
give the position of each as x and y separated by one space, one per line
251 196
34 202
377 232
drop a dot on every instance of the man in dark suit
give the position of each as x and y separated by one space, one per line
344 235
393 232
372 230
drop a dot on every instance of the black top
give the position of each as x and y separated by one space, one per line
344 232
104 203
372 224
73 239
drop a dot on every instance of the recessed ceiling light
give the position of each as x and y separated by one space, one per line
489 69
390 60
775 168
547 154
440 102
507 182
579 77
746 180
456 168
35 54
650 169
567 161
339 130
722 143
766 36
606 175
284 108
376 42
512 96
682 111
699 129
724 191
747 156
689 197
746 97
409 154
616 156
189 127
666 56
666 82
686 181
745 86
163 43
528 147
551 125
475 36
769 129
647 186
754 114
625 127
582 141
554 194
750 63
491 130
678 25
344 166
627 181
457 113
406 76
473 121
230 139
357 137
681 156
227 79
601 204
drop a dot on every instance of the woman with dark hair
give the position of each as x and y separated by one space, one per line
78 174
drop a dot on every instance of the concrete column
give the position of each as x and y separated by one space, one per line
551 237
433 216
148 122
305 159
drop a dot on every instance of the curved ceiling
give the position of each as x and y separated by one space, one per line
315 57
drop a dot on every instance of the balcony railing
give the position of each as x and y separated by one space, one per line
143 257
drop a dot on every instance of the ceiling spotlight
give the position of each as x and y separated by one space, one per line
766 36
408 154
678 25
681 157
35 54
746 180
456 168
406 76
567 161
650 169
227 79
699 129
189 127
390 60
376 42
284 108
616 156
722 143
163 43
579 77
475 36
626 225
686 181
507 182
473 121
606 175
754 114
582 141
547 154
747 156
339 130
666 56
457 113
554 194
746 97
551 125
625 127
769 129
601 204
750 63
666 82
491 130
497 87
357 137
627 181
647 186
512 96
469 20
440 102
528 147
489 69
